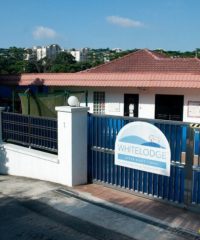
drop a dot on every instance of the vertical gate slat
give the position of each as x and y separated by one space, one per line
182 179
170 188
176 185
165 187
198 191
145 182
160 188
127 178
131 179
140 181
155 185
178 144
136 180
172 141
195 190
115 172
150 183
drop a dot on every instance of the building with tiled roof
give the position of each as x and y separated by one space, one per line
145 61
144 83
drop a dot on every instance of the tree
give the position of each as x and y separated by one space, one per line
62 62
64 58
12 61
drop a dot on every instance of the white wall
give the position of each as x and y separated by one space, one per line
114 98
146 105
21 161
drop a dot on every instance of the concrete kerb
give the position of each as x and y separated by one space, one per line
87 197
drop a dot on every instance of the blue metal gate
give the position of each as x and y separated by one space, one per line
196 168
182 187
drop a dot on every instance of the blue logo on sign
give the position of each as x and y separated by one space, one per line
149 153
139 141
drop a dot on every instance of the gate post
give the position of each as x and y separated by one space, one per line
188 167
1 110
72 143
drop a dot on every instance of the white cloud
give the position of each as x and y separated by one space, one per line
124 22
41 32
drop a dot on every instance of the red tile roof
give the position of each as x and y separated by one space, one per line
180 80
148 61
139 69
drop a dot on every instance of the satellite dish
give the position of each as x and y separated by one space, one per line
73 101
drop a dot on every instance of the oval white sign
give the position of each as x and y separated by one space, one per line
142 146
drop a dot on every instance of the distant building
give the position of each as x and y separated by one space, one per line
117 50
30 54
80 55
38 52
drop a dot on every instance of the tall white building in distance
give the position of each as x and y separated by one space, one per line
80 55
38 52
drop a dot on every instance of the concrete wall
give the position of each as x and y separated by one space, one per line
21 161
114 99
69 167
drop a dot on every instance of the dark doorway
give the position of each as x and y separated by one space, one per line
169 107
128 100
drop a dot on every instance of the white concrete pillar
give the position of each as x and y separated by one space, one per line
1 110
72 143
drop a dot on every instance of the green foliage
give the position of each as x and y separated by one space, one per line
178 54
12 60
115 55
59 68
62 63
64 58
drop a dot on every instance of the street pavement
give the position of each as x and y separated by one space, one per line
33 209
31 219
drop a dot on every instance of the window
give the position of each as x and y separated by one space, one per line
99 102
169 107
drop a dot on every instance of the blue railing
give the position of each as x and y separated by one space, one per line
102 135
196 187
34 132
196 168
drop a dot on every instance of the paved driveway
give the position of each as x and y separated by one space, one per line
32 209
31 219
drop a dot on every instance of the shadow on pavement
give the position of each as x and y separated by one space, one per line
31 219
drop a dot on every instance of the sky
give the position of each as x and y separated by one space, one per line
125 24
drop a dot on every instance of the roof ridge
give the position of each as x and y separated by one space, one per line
152 54
114 60
181 58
